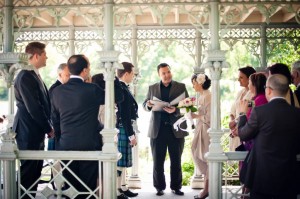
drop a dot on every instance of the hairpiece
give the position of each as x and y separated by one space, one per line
201 78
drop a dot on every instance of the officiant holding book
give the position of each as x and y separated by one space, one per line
162 134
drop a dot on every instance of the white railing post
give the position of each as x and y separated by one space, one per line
215 61
8 152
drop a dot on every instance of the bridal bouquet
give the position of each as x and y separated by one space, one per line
187 107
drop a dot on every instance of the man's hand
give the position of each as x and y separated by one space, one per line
133 142
169 109
2 119
149 104
51 133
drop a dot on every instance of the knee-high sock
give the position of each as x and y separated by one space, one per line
119 178
123 180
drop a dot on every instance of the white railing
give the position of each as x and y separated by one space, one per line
57 162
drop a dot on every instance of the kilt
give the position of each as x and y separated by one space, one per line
125 149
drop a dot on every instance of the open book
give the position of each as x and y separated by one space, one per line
158 104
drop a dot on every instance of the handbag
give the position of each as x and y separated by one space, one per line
241 147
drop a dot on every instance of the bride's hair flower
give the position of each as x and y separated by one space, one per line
201 78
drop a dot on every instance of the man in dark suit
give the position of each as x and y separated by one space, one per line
32 120
296 78
63 75
126 114
75 118
162 134
272 167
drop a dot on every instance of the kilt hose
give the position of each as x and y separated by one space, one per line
124 148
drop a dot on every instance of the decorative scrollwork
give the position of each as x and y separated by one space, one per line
62 47
124 47
58 14
93 17
198 15
24 19
232 15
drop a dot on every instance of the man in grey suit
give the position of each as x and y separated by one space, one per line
162 135
272 166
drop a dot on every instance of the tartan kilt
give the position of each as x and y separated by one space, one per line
125 149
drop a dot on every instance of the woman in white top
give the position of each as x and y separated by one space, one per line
244 94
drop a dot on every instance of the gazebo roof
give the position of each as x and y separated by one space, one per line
89 13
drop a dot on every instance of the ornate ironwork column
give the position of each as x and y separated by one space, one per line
71 40
215 61
109 62
263 47
9 64
197 178
134 180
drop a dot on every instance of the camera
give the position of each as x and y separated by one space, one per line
250 104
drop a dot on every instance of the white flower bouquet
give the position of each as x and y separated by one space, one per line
187 107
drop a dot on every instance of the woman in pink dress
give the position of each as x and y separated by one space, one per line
257 82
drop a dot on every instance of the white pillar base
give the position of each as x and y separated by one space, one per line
197 182
134 182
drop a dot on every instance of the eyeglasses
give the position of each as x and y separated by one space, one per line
268 87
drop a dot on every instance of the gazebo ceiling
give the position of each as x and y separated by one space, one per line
89 13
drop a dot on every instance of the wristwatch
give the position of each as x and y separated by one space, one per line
242 113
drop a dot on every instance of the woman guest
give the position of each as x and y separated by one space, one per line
257 89
200 142
257 82
244 94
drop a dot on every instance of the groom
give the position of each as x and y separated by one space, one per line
162 135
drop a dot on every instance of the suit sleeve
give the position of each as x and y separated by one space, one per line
146 108
55 117
29 90
247 130
119 96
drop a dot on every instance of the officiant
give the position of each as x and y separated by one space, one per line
162 134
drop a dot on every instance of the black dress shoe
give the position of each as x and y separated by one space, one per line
160 192
128 193
178 192
122 196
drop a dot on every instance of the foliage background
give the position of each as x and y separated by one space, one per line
182 69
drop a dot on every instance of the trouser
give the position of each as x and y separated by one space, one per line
30 170
86 171
159 146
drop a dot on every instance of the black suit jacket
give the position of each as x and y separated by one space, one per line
154 91
32 120
75 107
56 84
275 128
127 110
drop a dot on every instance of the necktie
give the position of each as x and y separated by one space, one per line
40 78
